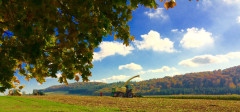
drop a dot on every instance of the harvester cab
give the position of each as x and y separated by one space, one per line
124 91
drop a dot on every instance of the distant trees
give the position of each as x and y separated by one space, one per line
211 82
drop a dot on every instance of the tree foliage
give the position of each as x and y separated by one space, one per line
41 37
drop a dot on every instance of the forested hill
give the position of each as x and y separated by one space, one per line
225 81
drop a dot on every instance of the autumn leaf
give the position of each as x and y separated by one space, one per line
21 87
27 78
65 80
132 38
169 4
18 82
115 36
77 78
14 78
9 92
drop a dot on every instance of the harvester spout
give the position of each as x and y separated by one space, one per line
126 83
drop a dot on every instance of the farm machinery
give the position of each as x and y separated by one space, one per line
125 91
38 92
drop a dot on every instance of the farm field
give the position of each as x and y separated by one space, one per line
199 103
21 104
209 97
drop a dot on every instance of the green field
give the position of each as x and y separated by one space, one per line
21 104
71 103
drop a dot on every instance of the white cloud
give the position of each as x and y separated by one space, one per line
110 49
204 4
195 38
163 69
174 30
232 1
209 59
137 79
119 77
158 13
131 66
112 79
39 84
153 41
177 30
238 19
173 74
59 75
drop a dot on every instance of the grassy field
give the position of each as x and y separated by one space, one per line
203 103
21 104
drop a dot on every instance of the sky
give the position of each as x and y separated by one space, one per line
191 37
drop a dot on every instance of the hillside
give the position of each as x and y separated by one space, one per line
225 81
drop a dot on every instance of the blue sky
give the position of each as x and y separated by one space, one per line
191 37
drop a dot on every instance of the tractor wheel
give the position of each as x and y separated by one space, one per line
130 95
121 95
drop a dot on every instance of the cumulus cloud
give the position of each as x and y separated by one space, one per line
110 49
196 38
131 66
112 79
163 69
153 41
238 19
209 59
232 1
158 13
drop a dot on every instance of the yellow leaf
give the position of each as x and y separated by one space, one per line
21 87
65 80
115 36
132 38
1 20
9 92
5 29
18 82
14 78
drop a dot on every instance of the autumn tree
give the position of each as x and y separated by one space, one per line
41 37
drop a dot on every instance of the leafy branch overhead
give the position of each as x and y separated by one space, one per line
41 37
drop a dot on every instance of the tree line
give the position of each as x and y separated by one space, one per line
215 82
